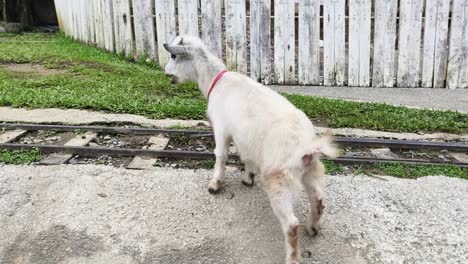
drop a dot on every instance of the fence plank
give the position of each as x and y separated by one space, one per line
144 28
99 24
334 52
165 27
236 36
435 53
108 25
122 27
260 45
384 43
90 25
188 17
409 43
284 54
309 42
458 51
359 42
211 26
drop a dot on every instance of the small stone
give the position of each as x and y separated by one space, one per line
115 142
14 27
103 195
107 137
2 30
92 144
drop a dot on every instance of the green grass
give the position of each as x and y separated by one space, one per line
18 157
406 171
94 79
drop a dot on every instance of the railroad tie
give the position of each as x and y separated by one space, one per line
11 135
62 158
141 163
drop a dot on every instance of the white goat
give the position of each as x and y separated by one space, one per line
275 140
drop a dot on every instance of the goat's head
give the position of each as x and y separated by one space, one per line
184 50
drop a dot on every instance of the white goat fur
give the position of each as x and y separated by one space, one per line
271 135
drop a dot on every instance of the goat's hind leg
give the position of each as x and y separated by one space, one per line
222 141
312 184
249 174
281 198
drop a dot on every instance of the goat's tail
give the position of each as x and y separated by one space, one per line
322 145
325 145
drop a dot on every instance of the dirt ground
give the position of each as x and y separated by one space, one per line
103 214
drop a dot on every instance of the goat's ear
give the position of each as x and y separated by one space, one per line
177 49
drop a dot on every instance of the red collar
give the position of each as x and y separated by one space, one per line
220 74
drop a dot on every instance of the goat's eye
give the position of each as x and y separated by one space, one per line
173 56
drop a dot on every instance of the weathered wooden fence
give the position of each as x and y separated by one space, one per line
380 43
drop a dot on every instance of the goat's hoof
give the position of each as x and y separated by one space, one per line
312 231
214 187
248 184
250 181
294 261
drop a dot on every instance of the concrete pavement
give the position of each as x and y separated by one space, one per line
432 98
101 214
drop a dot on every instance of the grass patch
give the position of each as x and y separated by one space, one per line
406 171
94 79
18 157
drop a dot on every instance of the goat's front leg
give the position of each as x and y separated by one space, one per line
221 151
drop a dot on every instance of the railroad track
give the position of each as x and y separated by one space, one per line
64 142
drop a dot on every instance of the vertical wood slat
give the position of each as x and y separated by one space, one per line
409 43
359 42
236 36
58 13
457 72
91 22
309 42
144 28
108 25
435 53
122 26
211 25
84 21
188 17
165 27
98 16
334 52
384 43
74 20
284 42
260 45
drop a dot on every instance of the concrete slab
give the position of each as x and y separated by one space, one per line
55 158
81 139
142 163
11 135
100 214
431 98
83 117
78 141
383 153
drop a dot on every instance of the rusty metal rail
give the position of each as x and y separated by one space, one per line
355 142
93 151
